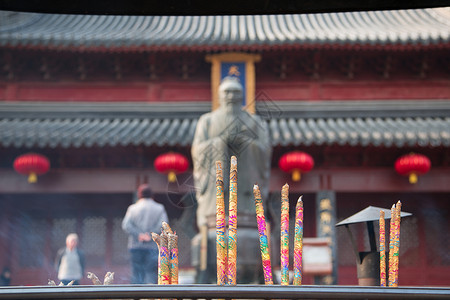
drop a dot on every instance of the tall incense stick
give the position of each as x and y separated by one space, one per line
284 235
391 246
232 223
173 257
382 250
221 242
396 242
164 259
298 242
263 238
157 238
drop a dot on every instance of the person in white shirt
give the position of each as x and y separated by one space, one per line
70 261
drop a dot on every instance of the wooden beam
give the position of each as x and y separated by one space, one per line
92 181
365 180
362 180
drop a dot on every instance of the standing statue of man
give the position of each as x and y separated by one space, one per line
226 131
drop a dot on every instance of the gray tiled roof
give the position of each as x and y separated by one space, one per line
414 26
355 128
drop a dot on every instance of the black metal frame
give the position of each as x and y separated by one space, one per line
206 7
203 291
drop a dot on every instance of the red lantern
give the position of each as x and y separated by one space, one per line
412 165
296 162
172 164
31 164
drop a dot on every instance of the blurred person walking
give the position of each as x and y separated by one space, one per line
141 219
70 261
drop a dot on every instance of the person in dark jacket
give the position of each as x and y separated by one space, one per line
70 261
5 277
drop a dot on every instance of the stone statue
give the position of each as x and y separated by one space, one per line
231 130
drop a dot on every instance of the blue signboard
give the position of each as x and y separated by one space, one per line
235 69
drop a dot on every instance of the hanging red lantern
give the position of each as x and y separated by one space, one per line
172 164
296 162
31 164
412 165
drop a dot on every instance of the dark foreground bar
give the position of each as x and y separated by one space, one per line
203 291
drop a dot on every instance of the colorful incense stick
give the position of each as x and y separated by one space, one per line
164 259
232 223
298 242
284 235
173 258
382 250
221 242
391 246
157 238
173 252
396 243
263 238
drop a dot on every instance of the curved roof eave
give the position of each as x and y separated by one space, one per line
397 28
423 124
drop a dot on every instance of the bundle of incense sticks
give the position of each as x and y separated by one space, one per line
221 242
232 223
263 238
394 244
167 243
284 235
298 242
382 250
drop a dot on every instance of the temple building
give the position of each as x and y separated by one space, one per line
100 97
